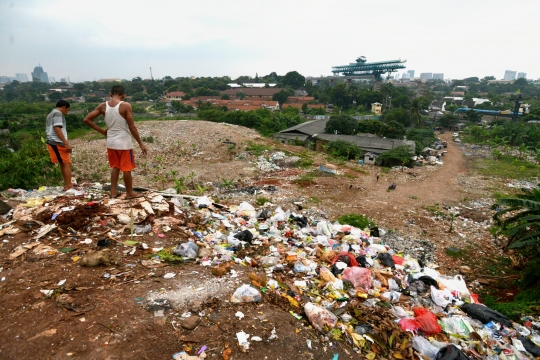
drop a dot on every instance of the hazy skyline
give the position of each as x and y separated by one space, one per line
86 40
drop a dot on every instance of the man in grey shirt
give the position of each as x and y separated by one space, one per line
57 143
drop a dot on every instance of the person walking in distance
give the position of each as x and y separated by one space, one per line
378 175
57 143
120 127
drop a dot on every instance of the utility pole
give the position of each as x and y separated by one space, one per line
519 101
151 76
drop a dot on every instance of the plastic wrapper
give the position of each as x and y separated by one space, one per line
188 250
427 320
424 347
245 294
399 312
319 317
359 277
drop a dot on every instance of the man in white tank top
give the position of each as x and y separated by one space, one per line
120 127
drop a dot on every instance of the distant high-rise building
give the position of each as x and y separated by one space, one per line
438 76
510 75
52 79
426 76
4 79
411 73
522 75
405 76
21 77
39 75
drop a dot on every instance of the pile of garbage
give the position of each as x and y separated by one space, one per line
349 283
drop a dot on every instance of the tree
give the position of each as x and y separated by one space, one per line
293 79
473 116
282 96
225 97
401 155
305 108
416 111
448 120
241 95
342 124
523 228
399 115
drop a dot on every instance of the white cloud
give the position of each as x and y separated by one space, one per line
93 39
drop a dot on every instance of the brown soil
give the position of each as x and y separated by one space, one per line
111 321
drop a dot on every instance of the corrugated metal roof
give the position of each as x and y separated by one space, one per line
369 142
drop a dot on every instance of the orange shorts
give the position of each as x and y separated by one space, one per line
58 154
121 159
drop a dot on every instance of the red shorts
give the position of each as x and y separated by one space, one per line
59 154
121 159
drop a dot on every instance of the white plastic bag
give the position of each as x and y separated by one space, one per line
246 293
424 347
188 250
323 228
456 283
441 297
319 317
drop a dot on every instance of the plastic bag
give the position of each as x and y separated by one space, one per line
455 325
304 266
324 229
386 259
398 259
399 312
319 317
485 314
188 250
359 277
441 297
326 275
427 320
451 352
408 324
457 283
245 294
268 261
424 347
345 257
246 236
529 346
392 296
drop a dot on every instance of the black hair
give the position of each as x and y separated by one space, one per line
117 90
62 103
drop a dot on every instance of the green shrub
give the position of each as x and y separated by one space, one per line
344 150
28 168
356 220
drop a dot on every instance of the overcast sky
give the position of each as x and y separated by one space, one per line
87 40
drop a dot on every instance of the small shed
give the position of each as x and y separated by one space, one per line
370 158
376 108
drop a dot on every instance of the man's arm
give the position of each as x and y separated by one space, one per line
89 119
131 124
60 134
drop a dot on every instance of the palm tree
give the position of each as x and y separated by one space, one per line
415 110
523 228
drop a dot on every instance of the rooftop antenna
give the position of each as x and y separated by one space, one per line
151 76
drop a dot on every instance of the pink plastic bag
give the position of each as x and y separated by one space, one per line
409 325
427 320
359 277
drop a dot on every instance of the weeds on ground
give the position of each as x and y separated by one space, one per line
357 220
257 149
507 167
261 201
